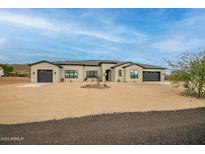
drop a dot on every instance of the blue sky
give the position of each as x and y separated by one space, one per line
140 35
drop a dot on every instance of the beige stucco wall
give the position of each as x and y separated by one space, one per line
127 73
59 73
105 67
116 75
45 66
73 67
140 75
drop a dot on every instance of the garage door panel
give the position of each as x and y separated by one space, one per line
45 76
151 76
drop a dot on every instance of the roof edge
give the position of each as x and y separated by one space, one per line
107 63
121 64
158 67
44 61
144 67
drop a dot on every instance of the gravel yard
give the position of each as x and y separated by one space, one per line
13 80
62 100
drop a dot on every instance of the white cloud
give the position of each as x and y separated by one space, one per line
109 31
177 45
90 51
4 59
26 20
184 35
2 40
97 34
47 55
192 21
126 36
5 45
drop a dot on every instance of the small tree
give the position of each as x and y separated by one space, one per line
190 69
7 69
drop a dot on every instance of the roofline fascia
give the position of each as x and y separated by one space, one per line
107 63
44 61
79 65
122 64
143 67
72 64
132 64
95 65
162 68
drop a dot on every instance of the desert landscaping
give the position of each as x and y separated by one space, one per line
27 102
13 80
74 113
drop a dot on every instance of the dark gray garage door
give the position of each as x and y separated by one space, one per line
151 76
45 76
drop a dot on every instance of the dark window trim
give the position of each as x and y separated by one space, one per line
133 74
91 74
72 74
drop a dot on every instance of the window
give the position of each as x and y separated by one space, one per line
119 73
91 74
133 74
71 74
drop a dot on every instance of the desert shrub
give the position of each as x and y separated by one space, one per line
190 70
95 86
118 80
7 69
105 85
22 74
168 77
13 73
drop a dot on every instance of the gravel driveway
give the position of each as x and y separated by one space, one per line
160 127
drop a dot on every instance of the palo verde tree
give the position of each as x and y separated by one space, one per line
7 69
190 70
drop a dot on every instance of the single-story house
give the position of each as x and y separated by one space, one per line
1 72
87 70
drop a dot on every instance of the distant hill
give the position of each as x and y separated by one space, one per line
20 68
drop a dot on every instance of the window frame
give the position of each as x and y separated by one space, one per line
134 75
91 74
72 74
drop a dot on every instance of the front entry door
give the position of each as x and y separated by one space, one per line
108 75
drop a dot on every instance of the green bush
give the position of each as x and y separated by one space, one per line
22 74
190 69
7 69
168 77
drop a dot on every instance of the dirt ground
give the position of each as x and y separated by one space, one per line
13 80
62 100
157 127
